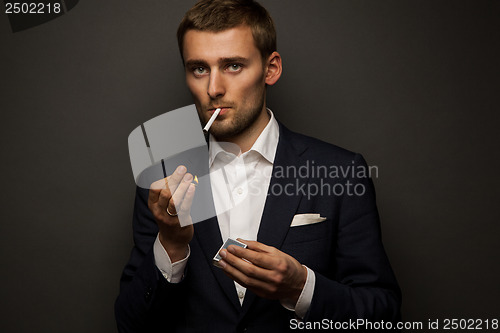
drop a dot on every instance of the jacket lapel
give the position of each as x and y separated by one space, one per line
280 207
283 196
210 240
207 233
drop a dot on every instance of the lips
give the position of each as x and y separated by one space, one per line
222 110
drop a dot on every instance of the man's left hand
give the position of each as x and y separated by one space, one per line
265 270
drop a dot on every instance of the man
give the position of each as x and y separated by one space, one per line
310 256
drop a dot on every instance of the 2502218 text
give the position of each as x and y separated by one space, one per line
33 8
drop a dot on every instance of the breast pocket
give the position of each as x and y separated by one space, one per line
311 245
308 232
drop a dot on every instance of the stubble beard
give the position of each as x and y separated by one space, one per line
239 124
241 121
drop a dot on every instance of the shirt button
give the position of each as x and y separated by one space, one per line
240 190
241 294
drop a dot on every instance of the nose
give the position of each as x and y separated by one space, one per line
216 87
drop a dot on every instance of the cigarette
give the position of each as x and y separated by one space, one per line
212 119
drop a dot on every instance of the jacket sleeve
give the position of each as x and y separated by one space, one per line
361 283
144 293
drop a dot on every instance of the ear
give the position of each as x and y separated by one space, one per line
273 68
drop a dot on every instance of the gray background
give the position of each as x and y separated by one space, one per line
412 85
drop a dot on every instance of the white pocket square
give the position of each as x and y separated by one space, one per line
305 219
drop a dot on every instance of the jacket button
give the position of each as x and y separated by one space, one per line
148 294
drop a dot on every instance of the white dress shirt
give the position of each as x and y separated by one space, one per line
239 182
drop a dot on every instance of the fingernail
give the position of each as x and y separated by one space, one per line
188 177
222 263
223 253
191 188
181 169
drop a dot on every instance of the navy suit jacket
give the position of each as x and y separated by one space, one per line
353 275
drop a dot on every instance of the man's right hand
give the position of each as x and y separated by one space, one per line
175 193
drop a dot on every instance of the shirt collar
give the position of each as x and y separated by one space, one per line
266 144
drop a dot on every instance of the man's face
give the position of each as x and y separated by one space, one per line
225 69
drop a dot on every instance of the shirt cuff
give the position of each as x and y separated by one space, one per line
171 272
305 298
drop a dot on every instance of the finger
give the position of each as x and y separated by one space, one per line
159 195
185 207
161 190
169 182
176 178
176 201
257 246
260 259
164 198
155 190
246 281
247 268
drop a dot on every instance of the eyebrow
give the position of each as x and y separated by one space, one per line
220 61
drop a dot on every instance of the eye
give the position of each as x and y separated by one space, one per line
234 68
199 71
